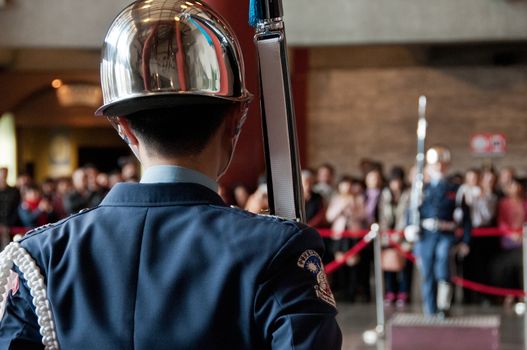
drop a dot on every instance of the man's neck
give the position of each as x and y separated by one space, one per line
185 162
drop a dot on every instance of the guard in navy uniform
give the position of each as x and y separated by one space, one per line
440 216
165 264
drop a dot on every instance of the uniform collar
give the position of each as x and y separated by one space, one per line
160 194
175 174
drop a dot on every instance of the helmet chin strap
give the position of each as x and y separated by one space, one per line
135 152
119 130
234 141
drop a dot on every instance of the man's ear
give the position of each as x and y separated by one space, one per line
235 119
125 131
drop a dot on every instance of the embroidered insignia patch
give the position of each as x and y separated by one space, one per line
310 261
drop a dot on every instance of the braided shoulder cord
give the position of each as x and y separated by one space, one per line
14 254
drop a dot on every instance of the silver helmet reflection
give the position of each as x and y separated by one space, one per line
165 53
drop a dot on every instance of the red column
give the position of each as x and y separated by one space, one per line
248 162
299 81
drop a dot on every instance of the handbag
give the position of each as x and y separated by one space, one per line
392 260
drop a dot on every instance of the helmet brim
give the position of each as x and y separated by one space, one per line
143 103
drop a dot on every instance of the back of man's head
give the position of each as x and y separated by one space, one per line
181 131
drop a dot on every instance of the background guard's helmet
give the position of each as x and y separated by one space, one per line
165 53
438 154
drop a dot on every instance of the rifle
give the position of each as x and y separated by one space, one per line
278 116
414 220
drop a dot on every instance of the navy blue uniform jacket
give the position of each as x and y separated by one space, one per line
439 202
170 266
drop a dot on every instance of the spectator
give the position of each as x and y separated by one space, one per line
325 181
114 178
22 181
315 211
505 178
393 207
485 205
373 194
470 190
80 197
63 187
130 170
483 208
96 191
9 201
103 182
241 195
511 217
346 211
374 182
258 202
35 210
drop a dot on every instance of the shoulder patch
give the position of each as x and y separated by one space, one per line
311 262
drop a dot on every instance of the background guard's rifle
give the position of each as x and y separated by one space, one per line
418 181
278 117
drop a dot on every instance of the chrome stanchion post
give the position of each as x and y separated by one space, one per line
520 307
524 258
524 274
372 336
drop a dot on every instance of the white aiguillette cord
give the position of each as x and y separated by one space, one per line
14 254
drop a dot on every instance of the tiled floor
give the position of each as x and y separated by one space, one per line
354 319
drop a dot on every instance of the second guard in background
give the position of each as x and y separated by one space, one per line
440 216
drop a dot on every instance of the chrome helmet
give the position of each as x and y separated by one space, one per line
165 53
438 154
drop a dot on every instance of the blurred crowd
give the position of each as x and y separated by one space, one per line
495 198
353 203
29 205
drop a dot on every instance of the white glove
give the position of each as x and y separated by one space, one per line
411 233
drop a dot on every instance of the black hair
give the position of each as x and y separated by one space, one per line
178 131
397 173
328 166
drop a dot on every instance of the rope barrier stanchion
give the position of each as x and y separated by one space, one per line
371 336
521 309
524 266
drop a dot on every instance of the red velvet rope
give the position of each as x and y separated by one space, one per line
476 232
475 286
478 287
357 248
335 264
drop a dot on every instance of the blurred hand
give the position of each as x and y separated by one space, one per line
45 206
411 233
463 249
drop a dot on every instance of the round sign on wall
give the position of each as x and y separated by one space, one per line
488 144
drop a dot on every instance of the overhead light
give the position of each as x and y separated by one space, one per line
56 83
